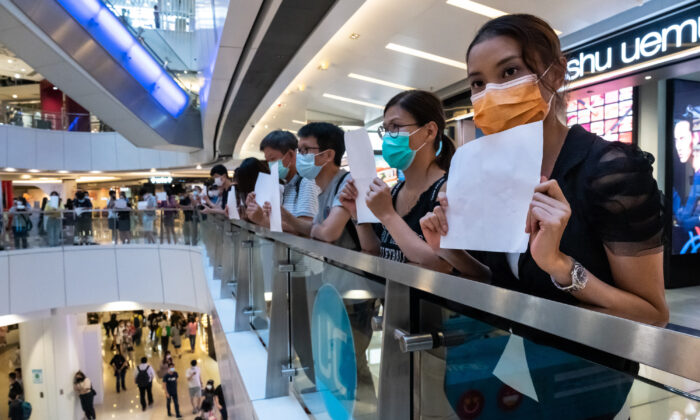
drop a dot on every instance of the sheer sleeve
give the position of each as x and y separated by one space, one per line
623 200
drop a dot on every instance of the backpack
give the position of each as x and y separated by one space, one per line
142 378
26 410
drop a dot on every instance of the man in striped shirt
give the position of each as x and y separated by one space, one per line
300 196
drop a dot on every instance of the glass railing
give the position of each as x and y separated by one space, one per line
61 121
60 228
353 336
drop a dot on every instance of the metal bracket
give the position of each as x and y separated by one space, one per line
418 342
247 244
291 268
249 310
291 371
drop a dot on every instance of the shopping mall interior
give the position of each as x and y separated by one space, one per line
350 209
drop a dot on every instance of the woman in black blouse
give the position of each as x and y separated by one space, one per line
595 221
413 142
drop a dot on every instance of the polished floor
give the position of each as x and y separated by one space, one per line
125 405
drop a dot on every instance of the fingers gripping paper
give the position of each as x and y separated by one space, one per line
267 190
363 169
489 190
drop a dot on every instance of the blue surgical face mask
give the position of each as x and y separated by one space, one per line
282 170
306 166
397 151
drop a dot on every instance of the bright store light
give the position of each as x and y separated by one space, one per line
299 122
23 70
33 171
18 76
153 169
95 172
477 8
352 101
10 61
63 171
55 88
199 166
379 81
426 56
95 178
25 176
14 96
10 169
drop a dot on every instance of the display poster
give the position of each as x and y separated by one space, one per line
609 115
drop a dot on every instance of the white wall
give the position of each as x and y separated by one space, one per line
31 148
81 279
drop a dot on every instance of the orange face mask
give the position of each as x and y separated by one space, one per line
500 107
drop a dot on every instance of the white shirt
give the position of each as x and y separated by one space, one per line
194 379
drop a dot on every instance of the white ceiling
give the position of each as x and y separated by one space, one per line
429 25
10 66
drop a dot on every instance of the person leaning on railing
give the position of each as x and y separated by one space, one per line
21 222
595 221
52 213
223 183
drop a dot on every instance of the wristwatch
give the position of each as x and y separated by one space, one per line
579 278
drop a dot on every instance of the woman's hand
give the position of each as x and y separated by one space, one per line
434 223
348 198
546 220
253 210
267 209
379 199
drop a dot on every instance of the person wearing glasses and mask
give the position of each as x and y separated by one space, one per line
413 141
595 220
321 148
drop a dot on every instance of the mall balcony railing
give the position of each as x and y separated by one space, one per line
22 229
351 335
61 121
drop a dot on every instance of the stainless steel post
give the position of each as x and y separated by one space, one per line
243 282
278 349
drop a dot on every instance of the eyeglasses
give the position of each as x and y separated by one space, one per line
306 150
393 129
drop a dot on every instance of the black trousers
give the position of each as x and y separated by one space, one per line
86 402
173 398
143 390
120 379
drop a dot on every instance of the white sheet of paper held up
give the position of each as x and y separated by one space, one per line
53 200
232 204
267 190
363 169
491 183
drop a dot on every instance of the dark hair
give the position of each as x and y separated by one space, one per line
328 136
193 362
247 174
281 140
426 107
219 170
80 194
13 375
54 193
144 360
539 45
147 188
112 192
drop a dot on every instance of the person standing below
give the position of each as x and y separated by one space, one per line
21 222
164 335
170 388
221 402
16 409
83 215
208 405
138 329
194 382
188 229
53 219
152 325
123 210
112 215
156 16
192 333
149 215
15 386
143 377
170 209
83 387
300 197
119 364
177 340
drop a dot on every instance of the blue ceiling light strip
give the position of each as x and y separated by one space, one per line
111 34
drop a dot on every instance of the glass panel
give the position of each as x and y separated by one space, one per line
263 271
334 347
487 373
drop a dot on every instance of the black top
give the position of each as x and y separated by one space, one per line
16 388
117 362
186 202
220 394
224 198
170 380
615 204
388 248
16 410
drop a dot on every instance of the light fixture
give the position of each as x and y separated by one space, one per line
352 101
354 36
379 81
301 87
25 176
153 169
10 61
14 96
63 171
323 65
23 70
426 56
199 166
54 88
10 170
33 171
648 77
299 122
265 125
185 72
477 8
95 172
18 76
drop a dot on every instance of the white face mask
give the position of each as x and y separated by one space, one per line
219 181
209 387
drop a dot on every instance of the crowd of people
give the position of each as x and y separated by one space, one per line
595 220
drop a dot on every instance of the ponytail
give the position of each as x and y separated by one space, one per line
445 149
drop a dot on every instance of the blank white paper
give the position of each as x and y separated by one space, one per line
232 204
491 183
267 190
363 169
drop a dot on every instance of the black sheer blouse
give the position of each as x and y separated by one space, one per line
615 204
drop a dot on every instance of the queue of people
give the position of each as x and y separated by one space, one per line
595 220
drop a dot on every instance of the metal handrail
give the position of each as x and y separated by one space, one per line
660 348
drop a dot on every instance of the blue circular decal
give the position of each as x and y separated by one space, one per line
334 353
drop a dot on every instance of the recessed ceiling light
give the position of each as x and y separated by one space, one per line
265 125
33 171
54 88
324 65
647 77
10 61
299 122
95 172
14 96
18 76
185 71
352 101
379 81
63 171
354 36
10 169
199 166
426 56
25 176
301 87
477 8
23 70
153 169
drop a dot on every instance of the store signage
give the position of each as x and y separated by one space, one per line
668 34
161 179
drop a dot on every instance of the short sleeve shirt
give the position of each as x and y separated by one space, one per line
615 205
300 197
170 380
328 199
194 381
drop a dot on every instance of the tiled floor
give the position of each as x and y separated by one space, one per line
125 405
